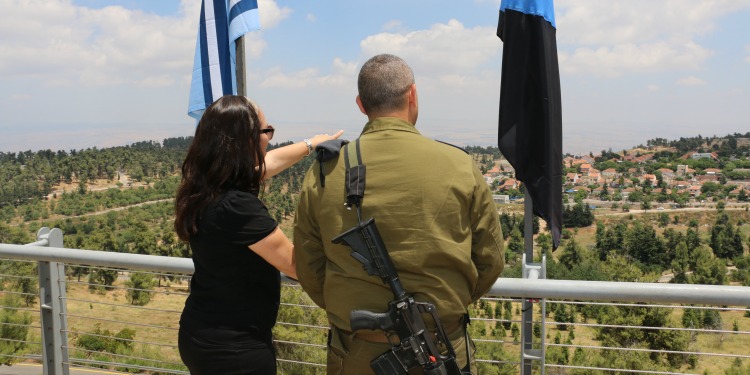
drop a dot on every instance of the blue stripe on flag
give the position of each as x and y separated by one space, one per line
226 62
241 7
206 95
243 17
222 22
544 8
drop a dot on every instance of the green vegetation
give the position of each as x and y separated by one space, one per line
120 199
14 328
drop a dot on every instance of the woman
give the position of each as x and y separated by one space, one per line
238 248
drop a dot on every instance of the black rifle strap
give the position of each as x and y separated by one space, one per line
466 322
355 177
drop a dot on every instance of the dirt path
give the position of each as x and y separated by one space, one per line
668 210
98 185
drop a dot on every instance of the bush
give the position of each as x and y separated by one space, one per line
105 341
140 288
14 325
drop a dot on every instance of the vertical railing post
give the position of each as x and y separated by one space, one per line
530 270
52 311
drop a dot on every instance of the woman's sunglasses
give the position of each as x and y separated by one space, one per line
268 131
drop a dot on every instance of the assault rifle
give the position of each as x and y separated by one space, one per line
417 346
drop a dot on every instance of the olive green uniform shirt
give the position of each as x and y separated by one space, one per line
433 209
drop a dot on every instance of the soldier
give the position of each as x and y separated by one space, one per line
434 210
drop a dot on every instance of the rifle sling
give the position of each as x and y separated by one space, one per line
355 177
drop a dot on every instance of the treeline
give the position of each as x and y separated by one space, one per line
31 175
724 146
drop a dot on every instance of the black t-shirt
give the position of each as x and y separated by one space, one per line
232 286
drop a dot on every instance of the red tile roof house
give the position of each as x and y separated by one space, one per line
736 192
585 168
666 173
494 171
710 171
707 178
578 162
625 192
609 173
568 161
571 177
649 177
679 185
508 184
595 178
642 158
694 190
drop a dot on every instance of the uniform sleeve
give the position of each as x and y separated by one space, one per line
487 239
308 247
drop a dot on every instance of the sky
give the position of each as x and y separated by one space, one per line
76 74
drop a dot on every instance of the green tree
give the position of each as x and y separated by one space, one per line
515 245
726 241
140 288
544 243
571 254
642 243
619 268
681 264
708 269
579 215
614 334
101 278
663 219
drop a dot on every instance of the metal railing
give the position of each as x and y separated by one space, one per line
100 323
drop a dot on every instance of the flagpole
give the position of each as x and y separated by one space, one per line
240 66
527 308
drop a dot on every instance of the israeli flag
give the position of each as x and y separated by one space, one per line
222 22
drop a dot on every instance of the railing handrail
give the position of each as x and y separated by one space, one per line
728 295
504 287
141 262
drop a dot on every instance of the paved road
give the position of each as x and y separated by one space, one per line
31 368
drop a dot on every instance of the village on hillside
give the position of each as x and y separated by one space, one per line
653 177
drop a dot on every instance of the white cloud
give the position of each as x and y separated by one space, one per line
65 44
444 48
653 88
611 38
270 13
615 60
311 17
112 45
342 75
690 81
344 68
747 48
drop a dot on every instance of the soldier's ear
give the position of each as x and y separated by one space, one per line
361 107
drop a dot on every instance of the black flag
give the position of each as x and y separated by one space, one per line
530 124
